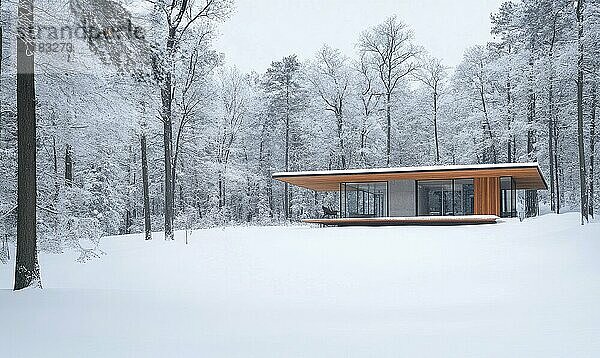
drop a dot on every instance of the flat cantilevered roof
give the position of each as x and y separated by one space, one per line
526 175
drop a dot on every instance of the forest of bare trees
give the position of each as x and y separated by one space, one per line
152 131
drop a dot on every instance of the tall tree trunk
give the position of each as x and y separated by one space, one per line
57 179
364 131
146 188
27 272
510 146
221 190
340 127
580 139
224 187
435 125
591 199
388 116
551 142
174 182
363 143
167 141
68 165
556 169
167 118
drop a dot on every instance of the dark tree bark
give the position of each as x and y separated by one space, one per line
591 199
166 92
511 146
68 166
556 170
169 198
27 272
55 169
388 128
580 139
555 136
146 189
221 187
164 75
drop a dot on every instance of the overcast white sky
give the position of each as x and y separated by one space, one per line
261 31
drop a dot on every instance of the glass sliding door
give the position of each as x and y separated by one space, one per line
508 198
434 198
445 197
364 200
464 197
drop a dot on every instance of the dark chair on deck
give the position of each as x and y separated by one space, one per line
327 212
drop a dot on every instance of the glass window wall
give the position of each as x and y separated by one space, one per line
445 197
464 197
364 200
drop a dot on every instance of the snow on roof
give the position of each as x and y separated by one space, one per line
407 169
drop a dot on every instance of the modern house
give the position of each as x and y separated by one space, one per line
435 194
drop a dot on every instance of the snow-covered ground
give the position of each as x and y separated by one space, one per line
513 289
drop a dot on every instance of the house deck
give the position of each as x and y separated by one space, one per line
413 220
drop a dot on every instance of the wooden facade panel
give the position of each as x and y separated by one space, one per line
487 196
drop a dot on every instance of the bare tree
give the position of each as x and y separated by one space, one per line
506 30
432 73
283 87
189 99
552 120
473 73
180 18
234 97
393 55
369 102
330 77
